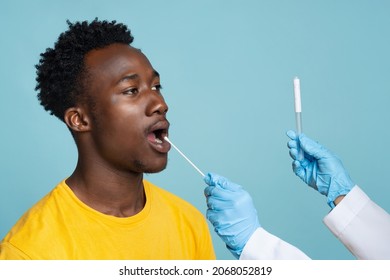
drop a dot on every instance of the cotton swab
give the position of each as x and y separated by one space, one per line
180 152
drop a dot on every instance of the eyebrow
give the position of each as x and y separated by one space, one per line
136 76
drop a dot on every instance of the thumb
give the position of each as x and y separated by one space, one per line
213 179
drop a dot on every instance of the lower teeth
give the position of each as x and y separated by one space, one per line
158 141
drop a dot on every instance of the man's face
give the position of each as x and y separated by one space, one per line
128 112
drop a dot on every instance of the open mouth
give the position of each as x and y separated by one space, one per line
156 135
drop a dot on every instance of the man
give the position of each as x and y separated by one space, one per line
108 94
360 224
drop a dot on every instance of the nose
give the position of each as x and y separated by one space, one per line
156 105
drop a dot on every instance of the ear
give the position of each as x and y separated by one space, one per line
77 119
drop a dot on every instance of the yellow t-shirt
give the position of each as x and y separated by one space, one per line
61 227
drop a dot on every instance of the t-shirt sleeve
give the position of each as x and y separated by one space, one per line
206 249
10 252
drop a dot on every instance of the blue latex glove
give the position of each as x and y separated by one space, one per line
231 212
320 168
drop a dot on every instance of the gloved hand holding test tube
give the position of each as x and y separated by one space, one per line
298 111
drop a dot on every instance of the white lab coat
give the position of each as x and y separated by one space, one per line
360 224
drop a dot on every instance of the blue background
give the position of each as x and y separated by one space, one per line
227 69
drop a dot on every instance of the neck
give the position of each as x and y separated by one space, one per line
108 191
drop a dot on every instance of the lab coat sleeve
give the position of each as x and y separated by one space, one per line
361 225
265 246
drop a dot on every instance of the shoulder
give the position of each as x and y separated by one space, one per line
45 204
36 219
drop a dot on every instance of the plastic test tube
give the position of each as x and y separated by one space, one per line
298 111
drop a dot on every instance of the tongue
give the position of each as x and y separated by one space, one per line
152 137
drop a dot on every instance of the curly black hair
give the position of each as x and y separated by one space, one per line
61 72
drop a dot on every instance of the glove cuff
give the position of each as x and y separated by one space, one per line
341 185
333 195
236 252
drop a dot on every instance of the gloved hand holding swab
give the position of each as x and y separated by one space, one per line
177 149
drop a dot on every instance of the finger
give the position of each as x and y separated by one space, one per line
213 179
208 191
224 183
292 134
313 148
219 204
298 169
219 196
212 217
208 179
292 144
293 154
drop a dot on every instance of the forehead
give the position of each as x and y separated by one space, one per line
116 60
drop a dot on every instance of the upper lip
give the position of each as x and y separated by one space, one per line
161 126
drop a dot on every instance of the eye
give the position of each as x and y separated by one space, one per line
130 91
157 87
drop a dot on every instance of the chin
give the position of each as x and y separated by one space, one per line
154 168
